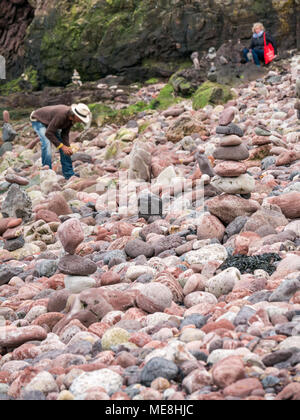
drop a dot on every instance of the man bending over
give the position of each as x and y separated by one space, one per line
53 124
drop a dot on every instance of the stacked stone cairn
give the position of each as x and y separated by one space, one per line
231 173
76 80
78 268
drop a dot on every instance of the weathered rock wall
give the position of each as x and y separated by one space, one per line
15 16
139 37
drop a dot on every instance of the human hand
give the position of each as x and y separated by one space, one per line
67 150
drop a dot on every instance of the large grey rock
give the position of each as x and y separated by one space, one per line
267 162
298 88
158 367
243 184
223 283
204 165
244 315
285 291
7 273
43 382
14 244
137 247
104 378
140 162
6 147
154 297
195 319
82 157
236 153
77 284
267 215
277 357
77 266
236 225
8 133
116 255
17 204
166 243
230 130
46 268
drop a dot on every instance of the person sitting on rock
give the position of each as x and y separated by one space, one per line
258 44
52 124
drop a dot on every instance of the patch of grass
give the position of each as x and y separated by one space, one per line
15 86
211 93
165 99
152 81
104 114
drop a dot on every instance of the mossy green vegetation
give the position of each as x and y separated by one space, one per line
165 99
210 93
152 81
102 113
180 84
76 33
105 114
28 82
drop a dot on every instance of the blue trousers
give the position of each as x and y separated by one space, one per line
258 55
66 161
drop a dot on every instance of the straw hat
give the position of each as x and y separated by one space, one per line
82 111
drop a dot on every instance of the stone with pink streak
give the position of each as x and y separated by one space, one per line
71 235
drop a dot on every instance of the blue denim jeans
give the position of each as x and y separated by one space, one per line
66 161
258 55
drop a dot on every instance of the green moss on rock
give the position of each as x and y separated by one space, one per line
165 99
180 84
29 82
210 93
152 81
104 114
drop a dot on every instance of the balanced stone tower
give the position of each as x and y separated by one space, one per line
231 173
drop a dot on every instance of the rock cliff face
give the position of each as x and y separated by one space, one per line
139 37
15 16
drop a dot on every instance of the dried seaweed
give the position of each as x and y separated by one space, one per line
247 264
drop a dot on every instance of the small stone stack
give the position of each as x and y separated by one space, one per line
78 269
76 80
231 174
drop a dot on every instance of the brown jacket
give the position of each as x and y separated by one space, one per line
55 118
